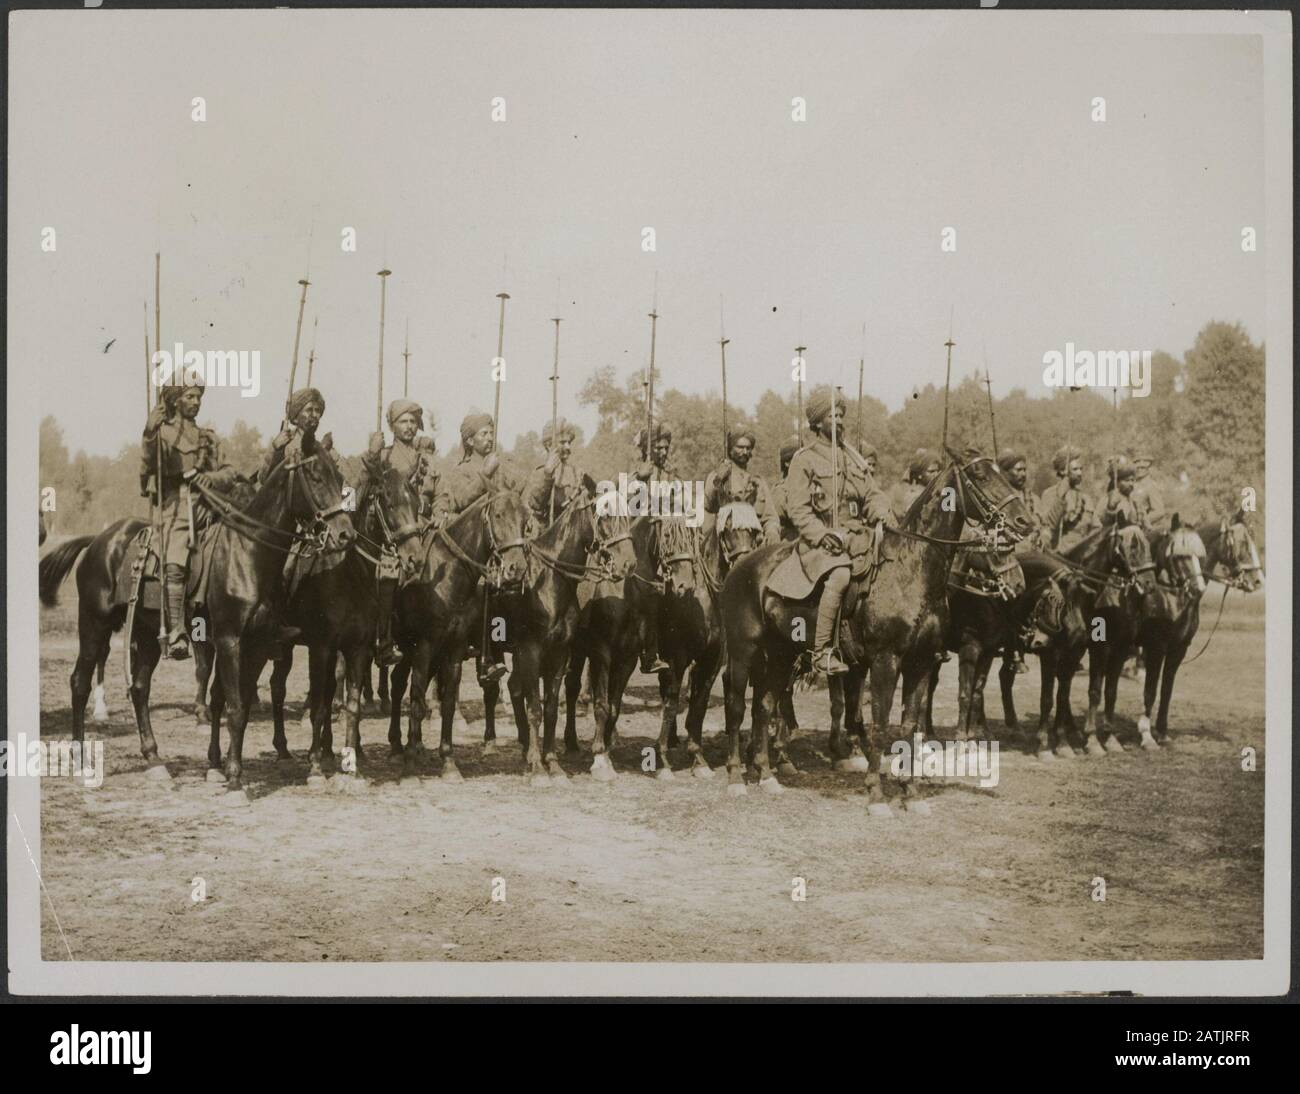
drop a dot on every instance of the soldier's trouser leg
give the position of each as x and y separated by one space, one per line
651 661
386 651
489 668
828 611
178 639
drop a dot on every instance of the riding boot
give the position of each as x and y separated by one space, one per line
651 663
178 637
490 670
387 652
825 659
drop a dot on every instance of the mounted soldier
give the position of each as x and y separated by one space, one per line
920 473
479 471
837 509
188 454
871 457
411 454
662 481
1016 468
554 483
1120 504
731 482
1065 509
1145 492
780 492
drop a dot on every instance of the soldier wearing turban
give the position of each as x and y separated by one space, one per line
780 494
555 482
732 481
1145 492
833 501
1118 505
190 456
1065 508
1016 469
921 471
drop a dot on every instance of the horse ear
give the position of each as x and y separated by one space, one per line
327 442
1175 523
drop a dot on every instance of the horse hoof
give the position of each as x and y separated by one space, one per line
451 774
737 790
1064 752
540 781
665 775
857 763
1144 725
1149 743
601 769
215 775
352 784
158 772
316 781
702 771
236 799
1114 744
490 747
559 778
1095 747
881 810
787 769
100 717
919 808
770 785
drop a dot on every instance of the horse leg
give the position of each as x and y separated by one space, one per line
552 666
523 684
1156 655
418 663
316 668
401 672
670 684
1119 654
865 757
491 696
385 699
979 678
148 652
572 690
449 670
100 715
232 671
598 684
1007 683
703 673
884 679
917 672
204 658
735 688
218 700
836 744
1173 659
92 635
1048 661
354 661
967 656
778 666
279 675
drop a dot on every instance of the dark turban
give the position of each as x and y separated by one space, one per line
398 407
472 424
790 446
736 432
1122 468
299 401
1063 456
867 451
818 407
1009 459
919 463
662 433
561 426
1142 457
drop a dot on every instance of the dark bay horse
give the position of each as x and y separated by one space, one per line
246 581
609 640
692 565
1184 559
439 613
897 627
589 538
1122 554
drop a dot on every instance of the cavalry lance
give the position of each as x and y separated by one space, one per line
297 334
650 383
406 363
722 343
862 364
311 354
555 402
500 361
993 424
158 480
799 396
379 406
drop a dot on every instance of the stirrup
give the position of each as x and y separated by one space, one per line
491 673
657 665
178 646
387 655
827 661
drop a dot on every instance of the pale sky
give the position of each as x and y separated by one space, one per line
1116 234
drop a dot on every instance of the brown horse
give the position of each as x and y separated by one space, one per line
897 627
439 613
1184 559
246 580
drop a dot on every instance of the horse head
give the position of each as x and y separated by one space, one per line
611 549
313 495
1048 618
393 518
1240 555
674 548
739 532
1129 556
1180 554
986 499
505 520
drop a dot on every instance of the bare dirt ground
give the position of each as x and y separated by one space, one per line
647 870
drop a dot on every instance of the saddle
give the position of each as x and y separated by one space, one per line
140 563
986 575
802 568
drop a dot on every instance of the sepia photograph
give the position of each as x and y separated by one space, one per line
663 502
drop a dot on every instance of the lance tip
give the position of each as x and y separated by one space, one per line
385 273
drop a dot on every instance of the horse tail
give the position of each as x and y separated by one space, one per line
54 567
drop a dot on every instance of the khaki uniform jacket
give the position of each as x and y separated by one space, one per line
407 459
1149 501
810 489
729 483
781 506
185 447
565 485
1112 505
465 483
1067 512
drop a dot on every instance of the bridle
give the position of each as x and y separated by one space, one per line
493 571
1130 581
599 563
1237 570
986 516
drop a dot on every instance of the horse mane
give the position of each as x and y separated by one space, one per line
676 536
739 515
